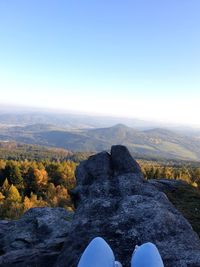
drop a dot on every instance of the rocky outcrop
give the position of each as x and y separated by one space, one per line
36 239
167 185
115 202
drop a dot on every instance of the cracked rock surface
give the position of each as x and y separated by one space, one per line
114 201
35 239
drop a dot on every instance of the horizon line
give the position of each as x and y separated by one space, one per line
60 111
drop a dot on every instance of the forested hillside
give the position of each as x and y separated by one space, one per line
154 143
27 184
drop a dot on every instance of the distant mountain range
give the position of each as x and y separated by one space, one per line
154 143
18 116
21 117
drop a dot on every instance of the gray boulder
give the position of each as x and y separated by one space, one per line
167 184
115 202
35 239
122 161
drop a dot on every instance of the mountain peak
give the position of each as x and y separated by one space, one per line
120 126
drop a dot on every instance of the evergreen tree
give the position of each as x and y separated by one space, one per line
29 182
12 172
5 187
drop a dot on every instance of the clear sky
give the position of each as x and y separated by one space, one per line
136 58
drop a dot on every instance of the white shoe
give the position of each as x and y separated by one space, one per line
136 248
117 264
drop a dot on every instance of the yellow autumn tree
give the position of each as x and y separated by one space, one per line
58 196
27 203
13 194
41 178
32 202
1 197
2 164
12 207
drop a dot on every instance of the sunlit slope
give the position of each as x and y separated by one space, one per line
154 143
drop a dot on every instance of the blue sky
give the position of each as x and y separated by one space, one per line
136 58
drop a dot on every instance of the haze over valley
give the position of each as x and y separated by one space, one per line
87 133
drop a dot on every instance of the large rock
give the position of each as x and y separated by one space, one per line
34 240
115 202
122 161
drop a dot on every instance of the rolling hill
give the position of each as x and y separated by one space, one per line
154 143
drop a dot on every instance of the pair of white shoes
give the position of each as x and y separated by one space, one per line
99 254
